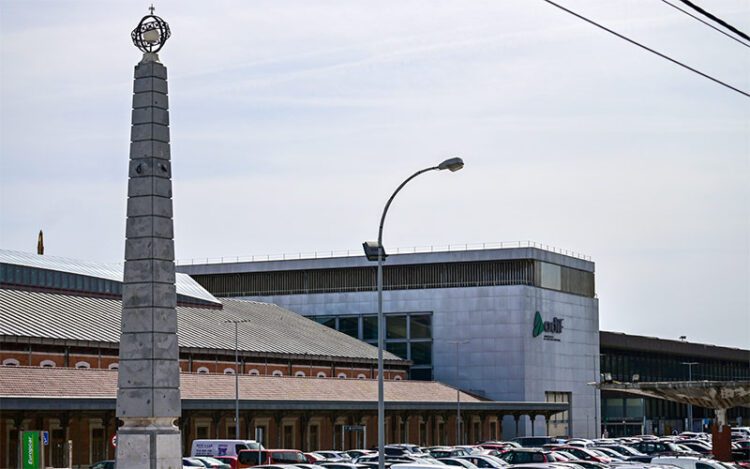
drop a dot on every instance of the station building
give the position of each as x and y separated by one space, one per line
627 358
301 384
509 324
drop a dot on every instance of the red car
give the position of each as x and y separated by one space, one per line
231 460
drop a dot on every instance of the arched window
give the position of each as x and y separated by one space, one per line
83 365
47 364
361 376
114 366
342 376
202 370
277 373
397 378
254 372
11 362
228 371
300 374
321 374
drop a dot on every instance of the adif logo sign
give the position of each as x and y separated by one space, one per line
547 327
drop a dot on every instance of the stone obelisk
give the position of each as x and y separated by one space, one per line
148 394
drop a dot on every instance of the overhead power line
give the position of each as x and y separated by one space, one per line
716 19
664 56
706 23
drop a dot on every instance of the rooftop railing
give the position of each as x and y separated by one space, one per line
398 250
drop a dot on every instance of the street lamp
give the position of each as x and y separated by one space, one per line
690 406
459 435
374 251
236 323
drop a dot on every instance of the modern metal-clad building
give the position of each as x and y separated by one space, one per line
512 324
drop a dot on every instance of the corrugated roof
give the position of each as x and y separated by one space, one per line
186 286
75 383
270 328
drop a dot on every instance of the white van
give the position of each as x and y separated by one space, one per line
688 462
222 447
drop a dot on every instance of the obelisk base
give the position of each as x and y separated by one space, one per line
149 443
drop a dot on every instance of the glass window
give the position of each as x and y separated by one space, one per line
634 408
369 328
613 408
395 327
329 321
421 353
398 348
349 326
421 326
421 374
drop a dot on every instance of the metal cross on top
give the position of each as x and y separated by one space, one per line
151 8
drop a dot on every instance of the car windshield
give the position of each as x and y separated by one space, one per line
565 454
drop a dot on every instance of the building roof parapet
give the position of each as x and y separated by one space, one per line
399 256
623 341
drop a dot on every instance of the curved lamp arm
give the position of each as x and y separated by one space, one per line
453 164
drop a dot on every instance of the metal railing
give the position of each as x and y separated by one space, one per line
398 250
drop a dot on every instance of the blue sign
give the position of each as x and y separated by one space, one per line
45 438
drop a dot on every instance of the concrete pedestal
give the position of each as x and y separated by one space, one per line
149 444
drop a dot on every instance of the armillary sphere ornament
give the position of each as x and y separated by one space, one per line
151 33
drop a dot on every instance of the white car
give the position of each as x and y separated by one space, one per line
688 462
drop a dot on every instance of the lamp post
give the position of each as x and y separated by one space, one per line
374 251
236 323
459 435
690 406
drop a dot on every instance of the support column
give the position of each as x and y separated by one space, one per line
532 419
148 394
304 420
516 417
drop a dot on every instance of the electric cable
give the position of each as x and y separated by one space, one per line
716 19
664 56
706 23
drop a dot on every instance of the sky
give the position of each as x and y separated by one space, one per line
293 121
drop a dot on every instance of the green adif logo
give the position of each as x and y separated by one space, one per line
551 327
538 325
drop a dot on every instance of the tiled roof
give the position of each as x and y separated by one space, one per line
270 329
186 286
102 384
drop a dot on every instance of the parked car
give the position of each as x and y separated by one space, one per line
624 450
334 455
343 465
356 453
534 441
688 462
485 461
192 462
231 460
222 447
658 448
445 452
697 446
314 458
585 454
461 463
526 455
213 463
104 465
612 454
254 457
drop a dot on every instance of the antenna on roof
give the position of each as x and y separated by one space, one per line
40 243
